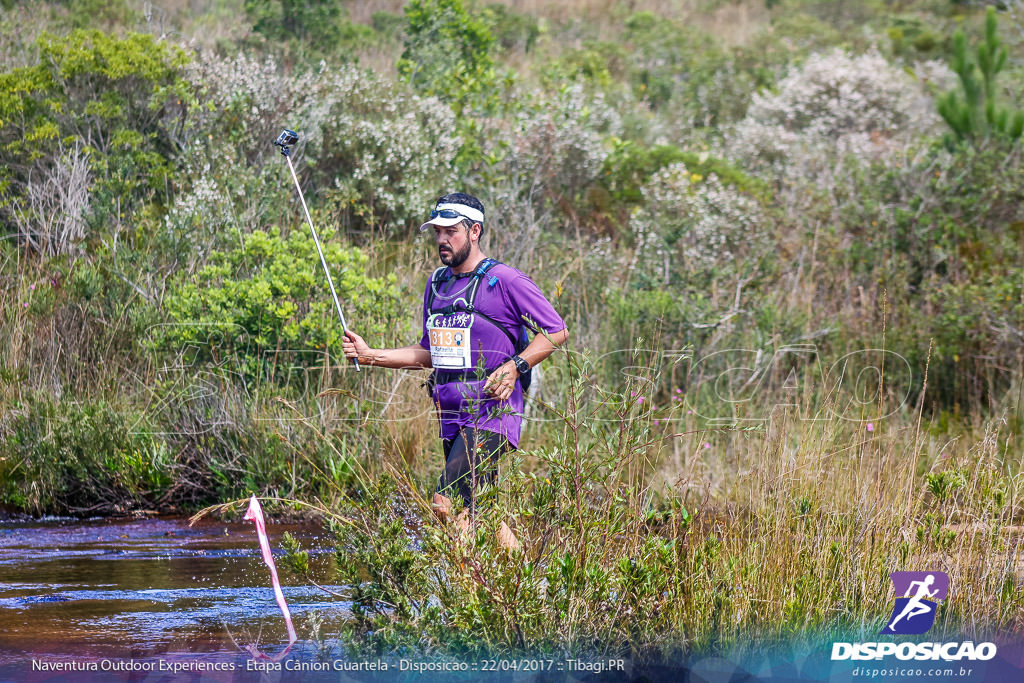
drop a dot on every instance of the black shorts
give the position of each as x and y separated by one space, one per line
470 461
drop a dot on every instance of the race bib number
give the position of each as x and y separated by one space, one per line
449 345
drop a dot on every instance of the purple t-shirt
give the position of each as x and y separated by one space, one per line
464 340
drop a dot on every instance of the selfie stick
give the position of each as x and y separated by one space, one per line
285 140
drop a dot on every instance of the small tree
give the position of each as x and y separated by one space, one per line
447 50
317 28
96 118
973 111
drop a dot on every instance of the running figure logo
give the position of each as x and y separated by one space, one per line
914 613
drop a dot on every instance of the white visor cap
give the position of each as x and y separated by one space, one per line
445 215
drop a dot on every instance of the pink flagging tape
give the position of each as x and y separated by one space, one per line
255 513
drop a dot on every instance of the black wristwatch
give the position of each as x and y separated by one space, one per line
521 365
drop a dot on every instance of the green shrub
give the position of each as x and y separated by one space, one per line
912 34
112 13
630 166
88 132
387 25
266 305
974 111
952 234
447 51
597 64
683 72
806 32
513 30
313 28
61 455
313 21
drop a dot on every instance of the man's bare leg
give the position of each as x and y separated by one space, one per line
442 507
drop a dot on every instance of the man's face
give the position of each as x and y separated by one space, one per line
453 244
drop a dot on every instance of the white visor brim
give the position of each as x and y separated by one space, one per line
442 222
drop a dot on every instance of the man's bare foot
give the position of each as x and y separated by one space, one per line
462 522
507 539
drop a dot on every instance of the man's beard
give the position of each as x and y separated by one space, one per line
454 259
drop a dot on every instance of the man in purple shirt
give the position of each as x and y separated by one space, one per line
474 311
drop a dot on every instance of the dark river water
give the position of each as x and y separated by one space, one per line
73 590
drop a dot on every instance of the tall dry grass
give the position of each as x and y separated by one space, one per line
655 540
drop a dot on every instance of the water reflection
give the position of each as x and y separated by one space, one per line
154 587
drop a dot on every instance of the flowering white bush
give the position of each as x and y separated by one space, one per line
554 143
935 75
248 99
388 152
231 177
535 165
205 206
835 103
691 224
559 140
377 151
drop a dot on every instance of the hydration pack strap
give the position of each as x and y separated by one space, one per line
442 275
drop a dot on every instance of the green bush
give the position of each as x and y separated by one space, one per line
307 20
684 72
512 30
597 64
61 455
447 51
267 307
94 122
974 111
942 235
389 26
630 166
112 13
312 28
912 34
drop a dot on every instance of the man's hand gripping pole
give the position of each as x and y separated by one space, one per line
285 141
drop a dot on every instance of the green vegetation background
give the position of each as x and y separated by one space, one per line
787 237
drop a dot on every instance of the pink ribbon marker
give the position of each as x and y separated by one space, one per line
255 513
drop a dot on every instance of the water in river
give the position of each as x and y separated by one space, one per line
150 588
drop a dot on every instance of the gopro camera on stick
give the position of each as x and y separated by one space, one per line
285 140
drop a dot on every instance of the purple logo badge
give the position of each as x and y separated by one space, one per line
917 600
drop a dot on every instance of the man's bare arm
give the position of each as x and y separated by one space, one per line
414 356
541 347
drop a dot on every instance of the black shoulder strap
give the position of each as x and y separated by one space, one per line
444 274
481 271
